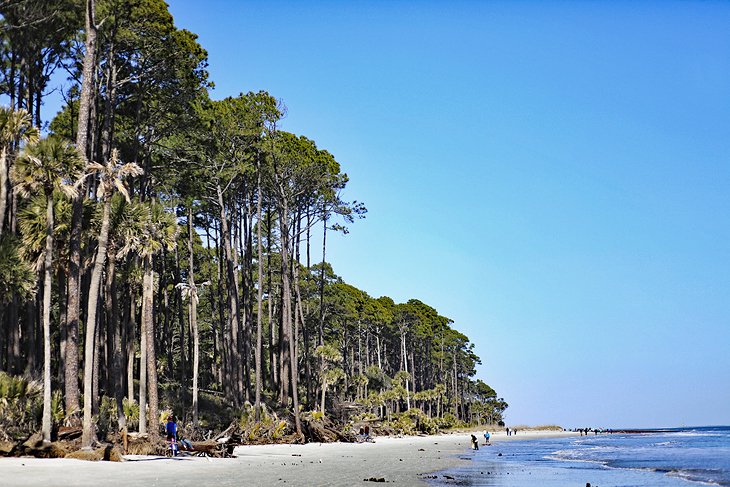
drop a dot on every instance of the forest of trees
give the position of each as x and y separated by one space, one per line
153 239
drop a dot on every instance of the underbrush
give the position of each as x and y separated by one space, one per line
412 422
21 406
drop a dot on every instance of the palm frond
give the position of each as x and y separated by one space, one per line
16 274
48 164
16 124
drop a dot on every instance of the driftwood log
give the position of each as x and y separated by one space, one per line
222 445
325 431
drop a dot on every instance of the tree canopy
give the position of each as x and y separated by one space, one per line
168 235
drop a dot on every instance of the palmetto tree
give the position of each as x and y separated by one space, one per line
330 374
48 165
15 125
32 225
111 180
147 238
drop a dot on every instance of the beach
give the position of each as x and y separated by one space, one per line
406 461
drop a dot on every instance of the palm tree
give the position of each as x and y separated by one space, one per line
32 225
111 180
330 374
15 125
158 230
48 165
402 377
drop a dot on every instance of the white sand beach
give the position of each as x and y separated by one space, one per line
405 461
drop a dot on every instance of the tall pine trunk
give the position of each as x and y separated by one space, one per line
232 287
270 302
181 323
288 346
193 314
151 356
143 361
131 326
321 280
47 276
89 349
112 307
74 280
259 297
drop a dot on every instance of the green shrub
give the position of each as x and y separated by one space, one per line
449 421
107 420
57 412
423 423
269 427
21 406
366 416
403 424
279 430
131 412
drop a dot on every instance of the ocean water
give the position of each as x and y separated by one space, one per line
679 457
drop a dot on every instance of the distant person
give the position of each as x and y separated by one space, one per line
171 431
186 445
486 437
507 430
364 434
474 443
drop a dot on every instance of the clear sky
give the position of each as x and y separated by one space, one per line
553 176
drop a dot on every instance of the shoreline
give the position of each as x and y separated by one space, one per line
408 460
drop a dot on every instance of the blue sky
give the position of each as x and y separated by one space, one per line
553 176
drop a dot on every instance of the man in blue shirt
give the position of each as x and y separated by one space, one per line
171 430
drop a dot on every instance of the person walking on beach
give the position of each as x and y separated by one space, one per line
486 437
474 443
